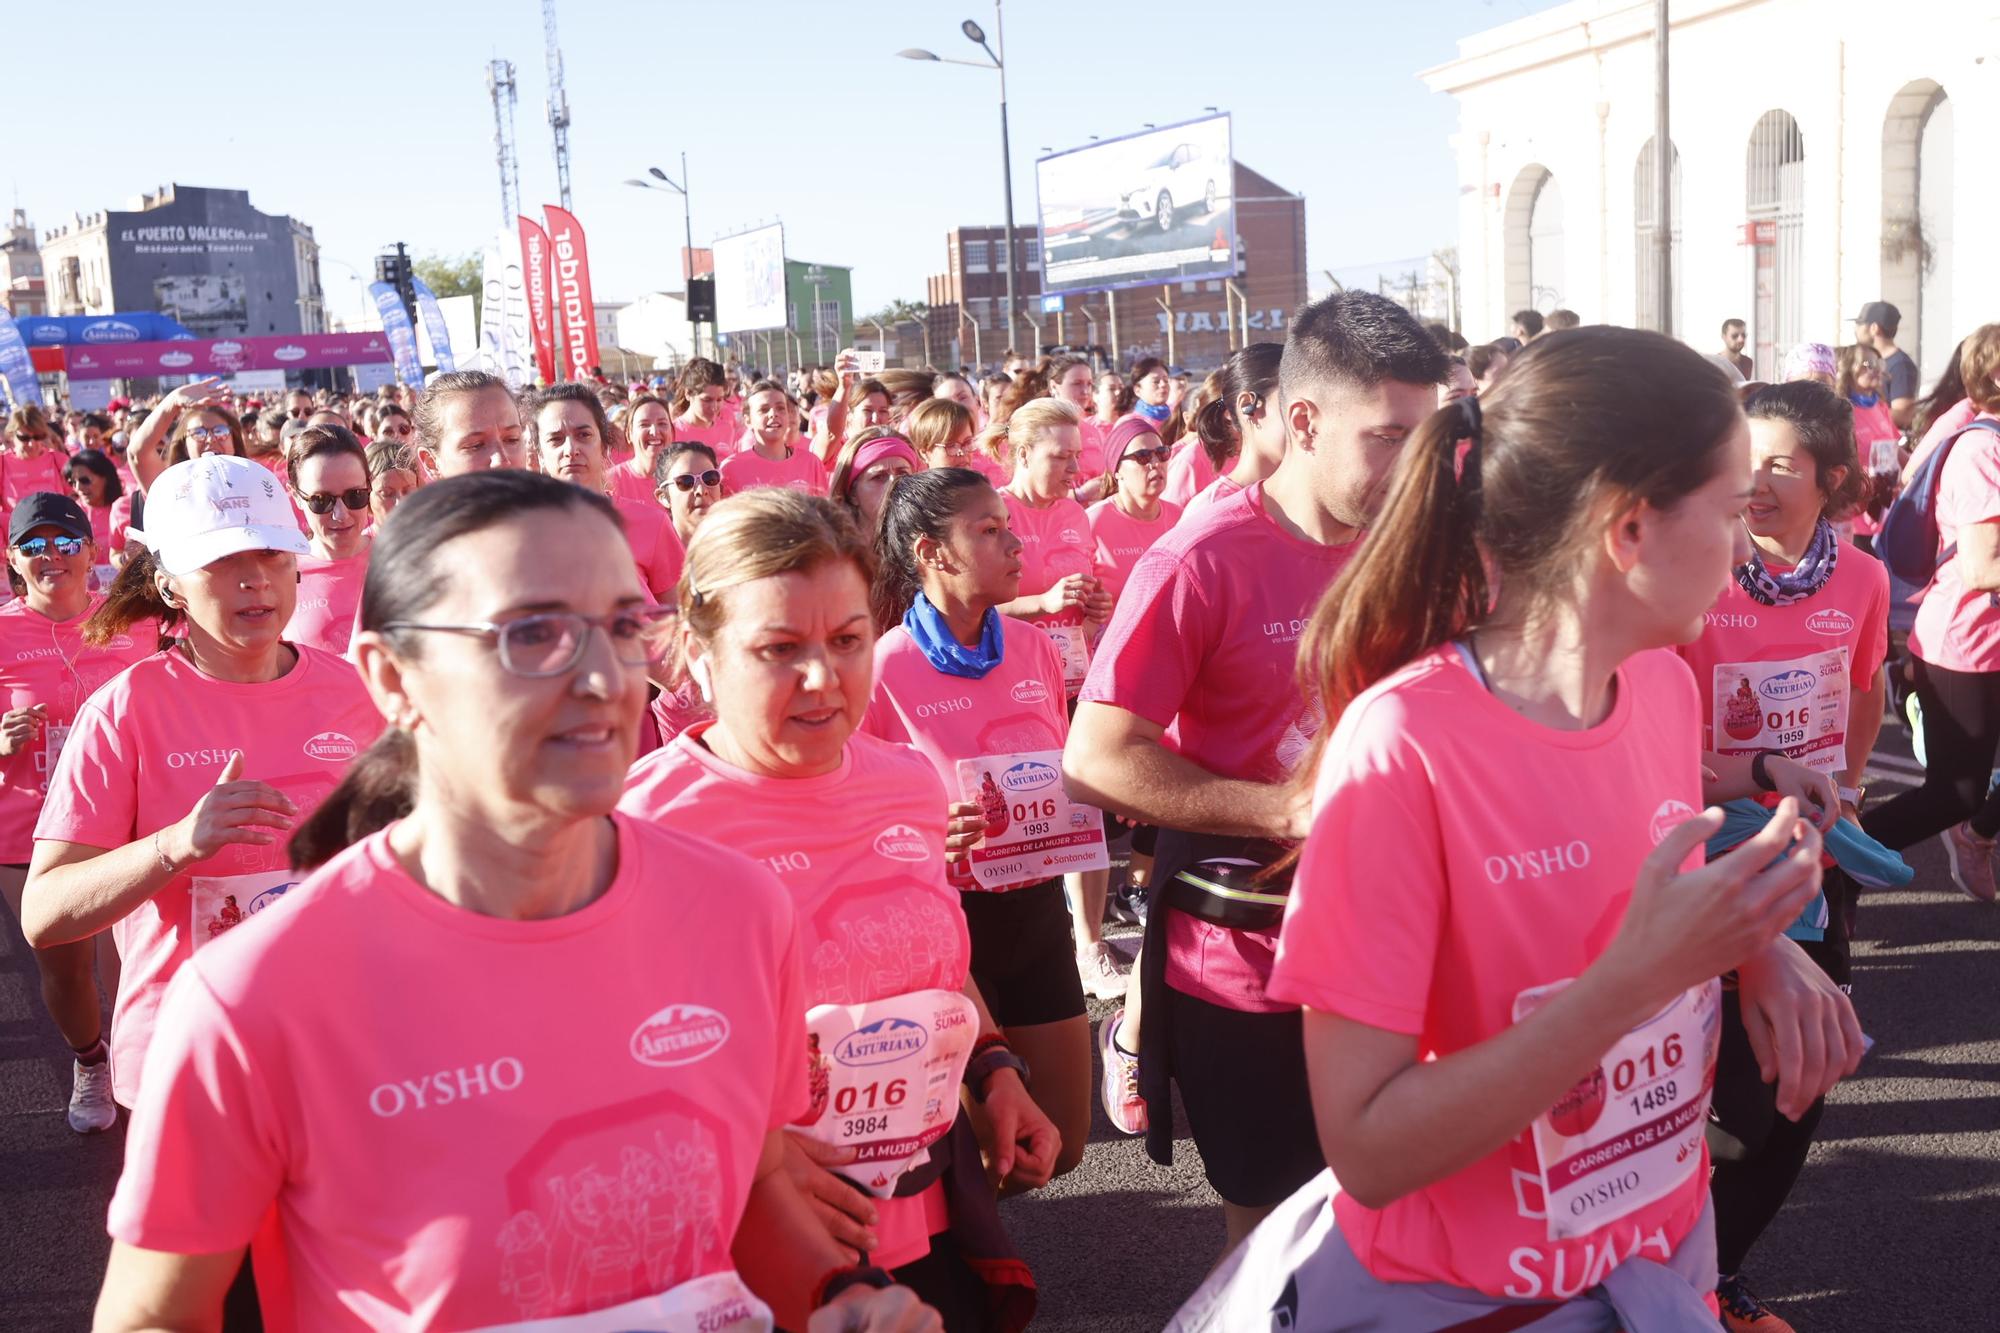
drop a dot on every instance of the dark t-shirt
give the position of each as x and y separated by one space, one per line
1900 374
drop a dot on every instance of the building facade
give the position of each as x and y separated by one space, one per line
1195 324
204 256
22 290
822 303
1823 156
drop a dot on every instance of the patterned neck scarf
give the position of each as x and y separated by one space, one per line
1802 580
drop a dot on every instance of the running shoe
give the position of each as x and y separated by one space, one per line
1971 858
1103 975
1742 1312
1120 1086
91 1110
1126 905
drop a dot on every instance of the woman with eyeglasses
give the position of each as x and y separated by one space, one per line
942 432
1125 526
148 455
93 483
567 429
32 460
552 1095
776 626
649 426
393 472
167 806
329 476
46 672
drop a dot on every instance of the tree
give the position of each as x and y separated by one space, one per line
453 275
901 312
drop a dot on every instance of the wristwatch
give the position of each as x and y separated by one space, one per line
1855 796
1760 772
990 1061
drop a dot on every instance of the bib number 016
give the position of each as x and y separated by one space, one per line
870 1096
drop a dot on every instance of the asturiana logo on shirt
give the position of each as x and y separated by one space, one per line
882 1042
680 1034
1670 816
1833 624
333 747
1029 692
1029 775
1787 685
900 842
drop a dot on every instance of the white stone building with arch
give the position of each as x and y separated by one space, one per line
1826 153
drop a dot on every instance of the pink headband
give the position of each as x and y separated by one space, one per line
1809 359
887 446
1123 432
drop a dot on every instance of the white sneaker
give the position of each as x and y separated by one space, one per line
91 1110
1103 974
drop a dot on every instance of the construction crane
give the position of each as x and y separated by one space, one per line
558 101
500 85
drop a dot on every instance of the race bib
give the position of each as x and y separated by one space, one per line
1630 1132
1798 706
222 902
1033 829
884 1077
1073 644
54 734
718 1303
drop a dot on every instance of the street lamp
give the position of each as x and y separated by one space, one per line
687 264
977 35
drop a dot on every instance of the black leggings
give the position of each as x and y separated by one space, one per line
1961 740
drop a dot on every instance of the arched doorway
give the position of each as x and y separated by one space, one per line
1534 241
1917 146
1645 213
1774 211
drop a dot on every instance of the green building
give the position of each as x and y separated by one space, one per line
822 302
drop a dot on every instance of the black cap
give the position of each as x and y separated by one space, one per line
47 509
1879 312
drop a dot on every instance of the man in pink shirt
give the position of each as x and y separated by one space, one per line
1191 719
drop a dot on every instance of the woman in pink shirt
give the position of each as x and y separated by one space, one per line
46 673
1069 380
776 627
165 809
329 472
1125 526
773 455
870 463
1241 426
94 484
566 430
649 425
1510 1053
555 1087
701 410
32 459
1193 465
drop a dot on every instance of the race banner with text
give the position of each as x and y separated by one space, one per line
402 338
499 354
535 273
434 329
15 365
226 356
575 313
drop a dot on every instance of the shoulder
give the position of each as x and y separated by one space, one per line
666 854
894 765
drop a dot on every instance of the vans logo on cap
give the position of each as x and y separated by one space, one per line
900 842
1833 624
332 747
680 1034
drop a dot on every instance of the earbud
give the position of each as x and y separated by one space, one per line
698 672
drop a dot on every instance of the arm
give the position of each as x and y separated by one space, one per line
151 1291
1901 410
1119 761
781 1250
1864 726
1728 778
1979 556
146 452
1072 590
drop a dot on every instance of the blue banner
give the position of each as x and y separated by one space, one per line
139 326
15 365
440 336
402 338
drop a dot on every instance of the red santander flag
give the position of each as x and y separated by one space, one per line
537 275
575 315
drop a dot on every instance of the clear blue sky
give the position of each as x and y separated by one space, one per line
370 120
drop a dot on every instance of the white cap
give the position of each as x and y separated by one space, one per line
214 506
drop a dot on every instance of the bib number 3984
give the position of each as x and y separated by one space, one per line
1630 1132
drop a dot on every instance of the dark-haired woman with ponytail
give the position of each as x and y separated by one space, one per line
1240 430
496 1012
977 693
1510 1052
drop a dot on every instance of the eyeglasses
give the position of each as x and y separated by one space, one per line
323 504
206 433
552 644
687 481
37 547
1145 456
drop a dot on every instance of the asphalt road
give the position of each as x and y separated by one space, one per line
1896 1223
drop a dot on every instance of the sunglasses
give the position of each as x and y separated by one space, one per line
28 437
1145 456
297 412
323 504
37 547
687 481
208 432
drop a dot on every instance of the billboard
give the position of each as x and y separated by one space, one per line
1149 208
208 259
750 280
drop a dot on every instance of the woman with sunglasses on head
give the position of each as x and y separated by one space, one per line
1242 422
393 472
329 476
486 1166
46 672
777 629
33 458
94 484
1125 526
567 429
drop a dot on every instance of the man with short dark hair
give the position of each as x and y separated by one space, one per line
1561 320
1527 325
1734 334
1876 327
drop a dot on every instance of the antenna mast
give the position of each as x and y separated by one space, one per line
500 85
558 101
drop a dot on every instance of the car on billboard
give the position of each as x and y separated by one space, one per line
1170 181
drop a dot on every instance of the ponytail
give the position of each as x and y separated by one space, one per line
1252 369
379 788
133 598
1216 429
919 505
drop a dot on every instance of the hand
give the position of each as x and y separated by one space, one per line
1068 592
1295 814
1024 1141
1801 1026
19 728
875 1310
847 366
232 811
1851 812
1684 929
1097 604
965 825
1817 793
848 1215
199 393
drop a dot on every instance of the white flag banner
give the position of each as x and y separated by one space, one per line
503 312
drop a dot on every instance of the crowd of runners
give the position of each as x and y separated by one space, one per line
615 857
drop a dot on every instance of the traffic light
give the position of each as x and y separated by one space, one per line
701 300
393 267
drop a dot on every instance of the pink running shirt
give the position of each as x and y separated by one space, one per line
631 486
1121 539
1189 472
802 471
143 750
656 547
22 477
1219 489
862 852
492 1121
1958 628
719 435
328 603
1511 849
1090 459
1205 644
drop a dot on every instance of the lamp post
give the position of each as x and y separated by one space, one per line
670 186
995 60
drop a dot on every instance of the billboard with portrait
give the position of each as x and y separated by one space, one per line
750 280
1151 207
